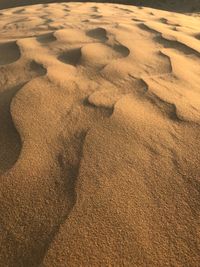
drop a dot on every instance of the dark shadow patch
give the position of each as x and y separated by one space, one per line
93 16
127 10
121 49
197 36
138 20
37 68
167 22
10 142
71 57
46 38
9 53
98 33
95 9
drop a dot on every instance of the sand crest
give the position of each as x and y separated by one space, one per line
99 137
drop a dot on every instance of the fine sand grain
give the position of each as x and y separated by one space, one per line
99 137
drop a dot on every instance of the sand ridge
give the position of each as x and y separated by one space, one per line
99 138
183 6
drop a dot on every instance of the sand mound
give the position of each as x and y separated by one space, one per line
100 136
183 6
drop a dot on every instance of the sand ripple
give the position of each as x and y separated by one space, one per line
99 138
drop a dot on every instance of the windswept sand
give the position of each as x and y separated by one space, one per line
184 6
99 137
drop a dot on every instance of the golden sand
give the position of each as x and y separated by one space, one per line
99 137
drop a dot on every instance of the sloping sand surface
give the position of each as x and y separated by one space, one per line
184 6
99 137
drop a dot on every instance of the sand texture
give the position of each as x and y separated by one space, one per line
184 6
99 137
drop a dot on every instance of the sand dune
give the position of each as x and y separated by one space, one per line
169 5
100 136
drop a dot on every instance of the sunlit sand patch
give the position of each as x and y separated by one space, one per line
99 136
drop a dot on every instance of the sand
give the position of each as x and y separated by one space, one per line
185 6
99 137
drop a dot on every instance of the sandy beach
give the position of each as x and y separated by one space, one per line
99 136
